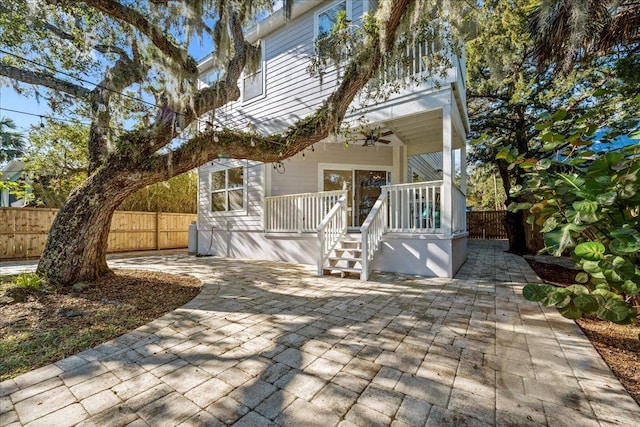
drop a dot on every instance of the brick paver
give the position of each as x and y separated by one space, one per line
271 344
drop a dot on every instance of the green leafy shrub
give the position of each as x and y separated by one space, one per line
588 205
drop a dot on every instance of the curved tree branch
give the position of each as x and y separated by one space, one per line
305 132
124 73
43 79
208 99
137 20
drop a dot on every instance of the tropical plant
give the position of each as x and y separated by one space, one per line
179 194
509 94
28 281
588 205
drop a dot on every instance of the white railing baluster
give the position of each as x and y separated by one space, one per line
415 207
298 213
371 231
330 230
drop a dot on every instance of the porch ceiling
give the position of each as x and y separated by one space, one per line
422 133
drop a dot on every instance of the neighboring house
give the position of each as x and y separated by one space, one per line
11 172
386 202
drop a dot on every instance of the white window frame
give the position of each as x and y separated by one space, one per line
263 69
348 6
226 166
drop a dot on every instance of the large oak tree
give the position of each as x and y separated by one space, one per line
134 52
511 97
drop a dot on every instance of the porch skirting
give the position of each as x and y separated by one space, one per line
431 255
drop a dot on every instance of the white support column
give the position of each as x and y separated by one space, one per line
463 167
396 172
446 210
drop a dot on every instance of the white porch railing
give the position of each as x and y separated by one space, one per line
415 207
414 63
459 216
372 230
298 213
330 230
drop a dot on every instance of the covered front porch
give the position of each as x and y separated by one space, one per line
409 217
407 229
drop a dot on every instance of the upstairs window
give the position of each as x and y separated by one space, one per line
253 84
327 18
228 190
213 76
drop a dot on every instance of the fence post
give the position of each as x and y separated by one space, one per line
157 231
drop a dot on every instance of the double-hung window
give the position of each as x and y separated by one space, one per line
253 84
228 188
327 18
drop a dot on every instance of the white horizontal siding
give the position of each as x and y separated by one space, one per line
291 93
301 176
249 220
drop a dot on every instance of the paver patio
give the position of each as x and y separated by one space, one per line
270 344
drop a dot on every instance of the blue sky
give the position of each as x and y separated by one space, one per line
12 100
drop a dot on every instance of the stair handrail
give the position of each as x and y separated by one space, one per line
372 230
330 231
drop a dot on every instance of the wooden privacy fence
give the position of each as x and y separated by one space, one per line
23 231
486 225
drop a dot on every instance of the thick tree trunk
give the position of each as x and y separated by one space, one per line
514 225
513 221
77 244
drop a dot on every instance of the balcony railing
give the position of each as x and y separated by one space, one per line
459 216
298 213
409 208
415 207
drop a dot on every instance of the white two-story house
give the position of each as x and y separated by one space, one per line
386 201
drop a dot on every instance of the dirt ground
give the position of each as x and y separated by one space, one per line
52 324
619 345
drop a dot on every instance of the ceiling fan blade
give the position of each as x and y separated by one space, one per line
384 141
387 133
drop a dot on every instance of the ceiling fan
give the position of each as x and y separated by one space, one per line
374 136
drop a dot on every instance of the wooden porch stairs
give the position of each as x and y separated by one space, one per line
346 258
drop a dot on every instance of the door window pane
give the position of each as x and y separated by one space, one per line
340 180
368 189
